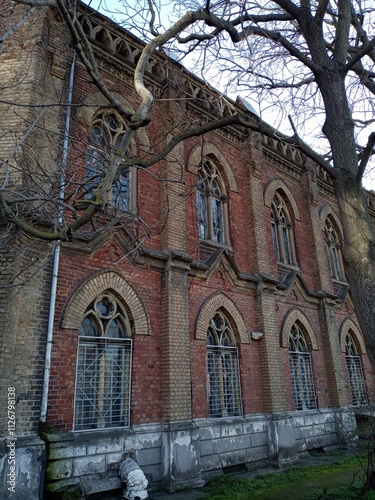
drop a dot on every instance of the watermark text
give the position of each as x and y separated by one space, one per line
11 441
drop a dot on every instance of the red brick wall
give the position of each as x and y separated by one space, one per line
250 250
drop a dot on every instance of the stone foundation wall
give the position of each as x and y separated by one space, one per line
323 429
226 442
21 468
89 461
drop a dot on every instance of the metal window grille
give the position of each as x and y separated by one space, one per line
103 368
301 371
103 383
354 366
224 393
302 380
356 380
223 374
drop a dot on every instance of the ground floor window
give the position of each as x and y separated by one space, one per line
301 371
223 378
354 366
103 370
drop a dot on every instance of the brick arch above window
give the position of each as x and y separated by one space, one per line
93 102
199 152
327 211
279 185
87 292
210 306
348 327
292 316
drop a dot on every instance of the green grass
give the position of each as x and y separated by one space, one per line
339 480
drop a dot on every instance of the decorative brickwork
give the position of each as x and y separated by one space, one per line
297 315
209 149
326 211
270 190
95 101
207 312
348 326
170 275
99 283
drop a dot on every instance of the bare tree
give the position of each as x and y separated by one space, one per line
316 57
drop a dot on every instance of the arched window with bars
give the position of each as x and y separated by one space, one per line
301 370
223 376
103 367
355 372
106 132
211 204
282 231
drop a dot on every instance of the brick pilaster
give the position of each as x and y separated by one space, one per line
176 392
338 394
317 247
273 377
258 224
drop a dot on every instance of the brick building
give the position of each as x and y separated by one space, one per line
224 336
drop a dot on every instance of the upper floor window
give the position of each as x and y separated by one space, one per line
105 135
282 231
103 367
223 378
354 366
301 371
333 251
211 204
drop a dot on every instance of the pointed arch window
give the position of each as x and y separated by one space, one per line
333 251
282 231
223 377
355 372
103 367
301 371
211 204
106 133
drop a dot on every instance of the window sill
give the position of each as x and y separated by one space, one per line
339 282
229 419
215 243
104 430
208 247
284 269
122 211
340 288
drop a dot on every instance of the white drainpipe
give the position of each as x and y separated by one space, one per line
56 254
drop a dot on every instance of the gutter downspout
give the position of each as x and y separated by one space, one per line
56 254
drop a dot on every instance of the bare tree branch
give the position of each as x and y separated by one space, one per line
366 154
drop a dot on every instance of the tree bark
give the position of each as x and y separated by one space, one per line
359 255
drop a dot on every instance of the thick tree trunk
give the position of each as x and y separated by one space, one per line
359 232
359 256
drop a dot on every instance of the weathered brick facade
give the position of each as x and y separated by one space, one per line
171 285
